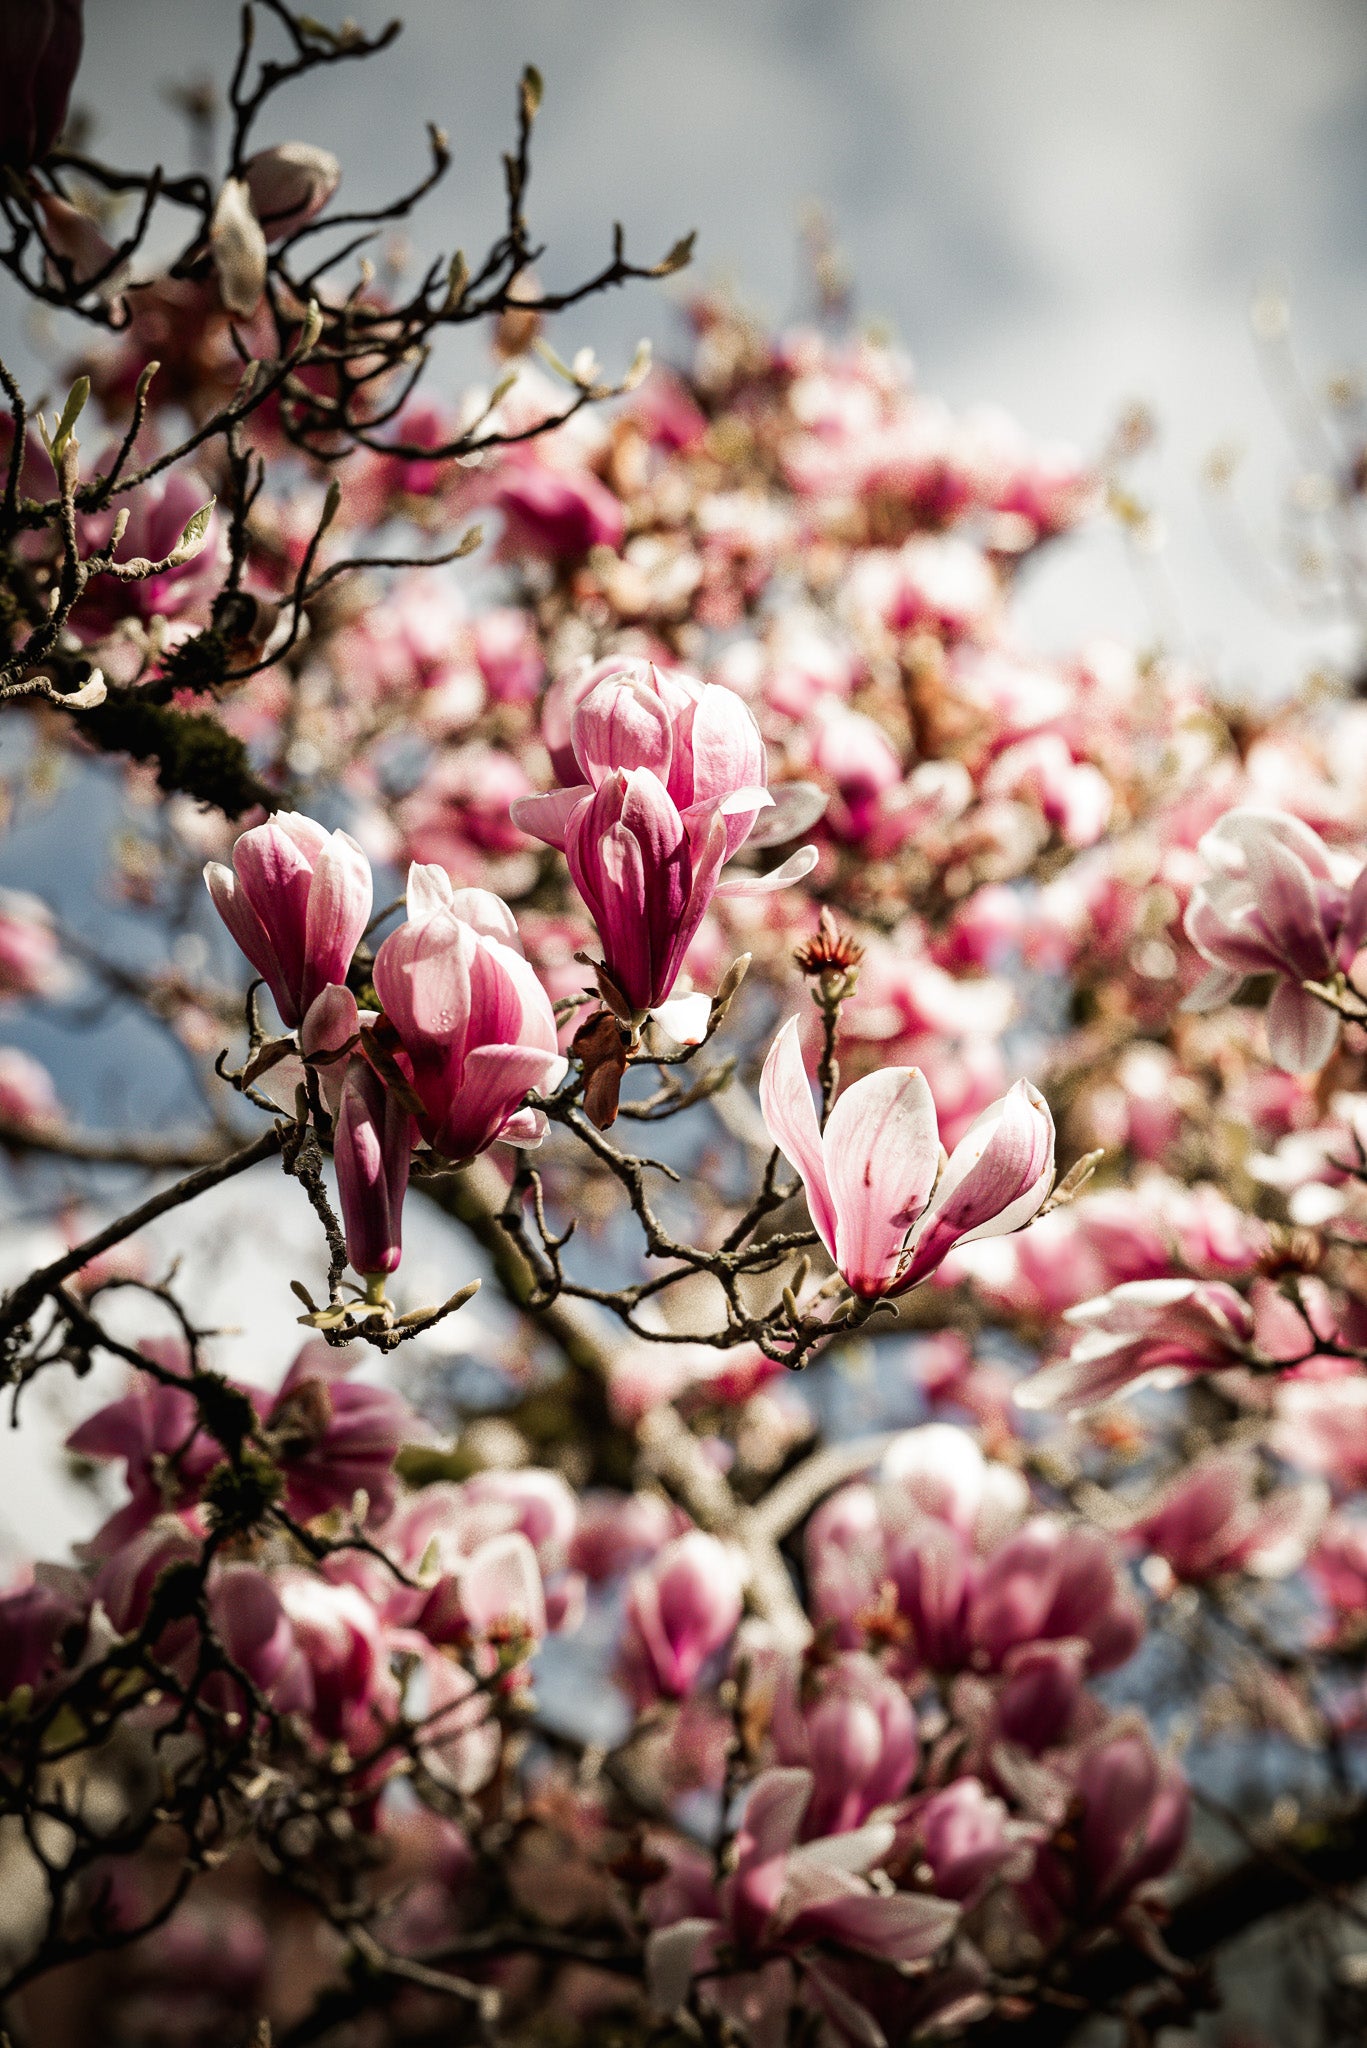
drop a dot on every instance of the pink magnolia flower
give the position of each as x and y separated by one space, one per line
1279 902
154 1428
253 1629
1045 1583
539 1504
499 1545
297 900
75 244
1134 1810
681 1609
1074 797
30 958
1041 1698
556 514
871 1176
1321 1426
126 1581
509 655
942 581
158 513
939 1507
785 1901
495 1593
475 1026
672 781
1338 1567
854 751
334 1437
667 413
355 1695
968 1839
940 1470
288 184
28 1100
619 1531
1053 1581
453 1521
1143 1330
854 1728
1211 1520
460 812
944 1538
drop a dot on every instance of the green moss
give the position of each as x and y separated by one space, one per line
193 753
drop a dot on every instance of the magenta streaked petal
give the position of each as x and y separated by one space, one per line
882 1148
621 724
1301 1030
547 817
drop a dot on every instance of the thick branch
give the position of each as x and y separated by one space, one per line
475 1197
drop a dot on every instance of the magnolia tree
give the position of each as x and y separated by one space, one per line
905 1088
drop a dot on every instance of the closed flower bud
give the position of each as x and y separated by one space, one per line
475 1026
297 900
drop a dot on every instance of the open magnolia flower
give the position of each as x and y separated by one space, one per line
1143 1331
792 1903
1279 902
881 1202
674 775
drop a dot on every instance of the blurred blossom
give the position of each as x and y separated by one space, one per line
682 1608
1278 902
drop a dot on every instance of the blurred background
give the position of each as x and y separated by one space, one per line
1065 207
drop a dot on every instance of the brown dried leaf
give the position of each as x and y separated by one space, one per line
600 1046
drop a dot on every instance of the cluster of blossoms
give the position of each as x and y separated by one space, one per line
465 1031
801 1612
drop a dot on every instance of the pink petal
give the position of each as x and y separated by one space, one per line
672 1955
1000 1170
797 806
727 750
1301 1030
905 1928
793 869
547 817
249 934
621 724
1213 990
785 1096
429 891
339 904
501 1584
488 915
881 1149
